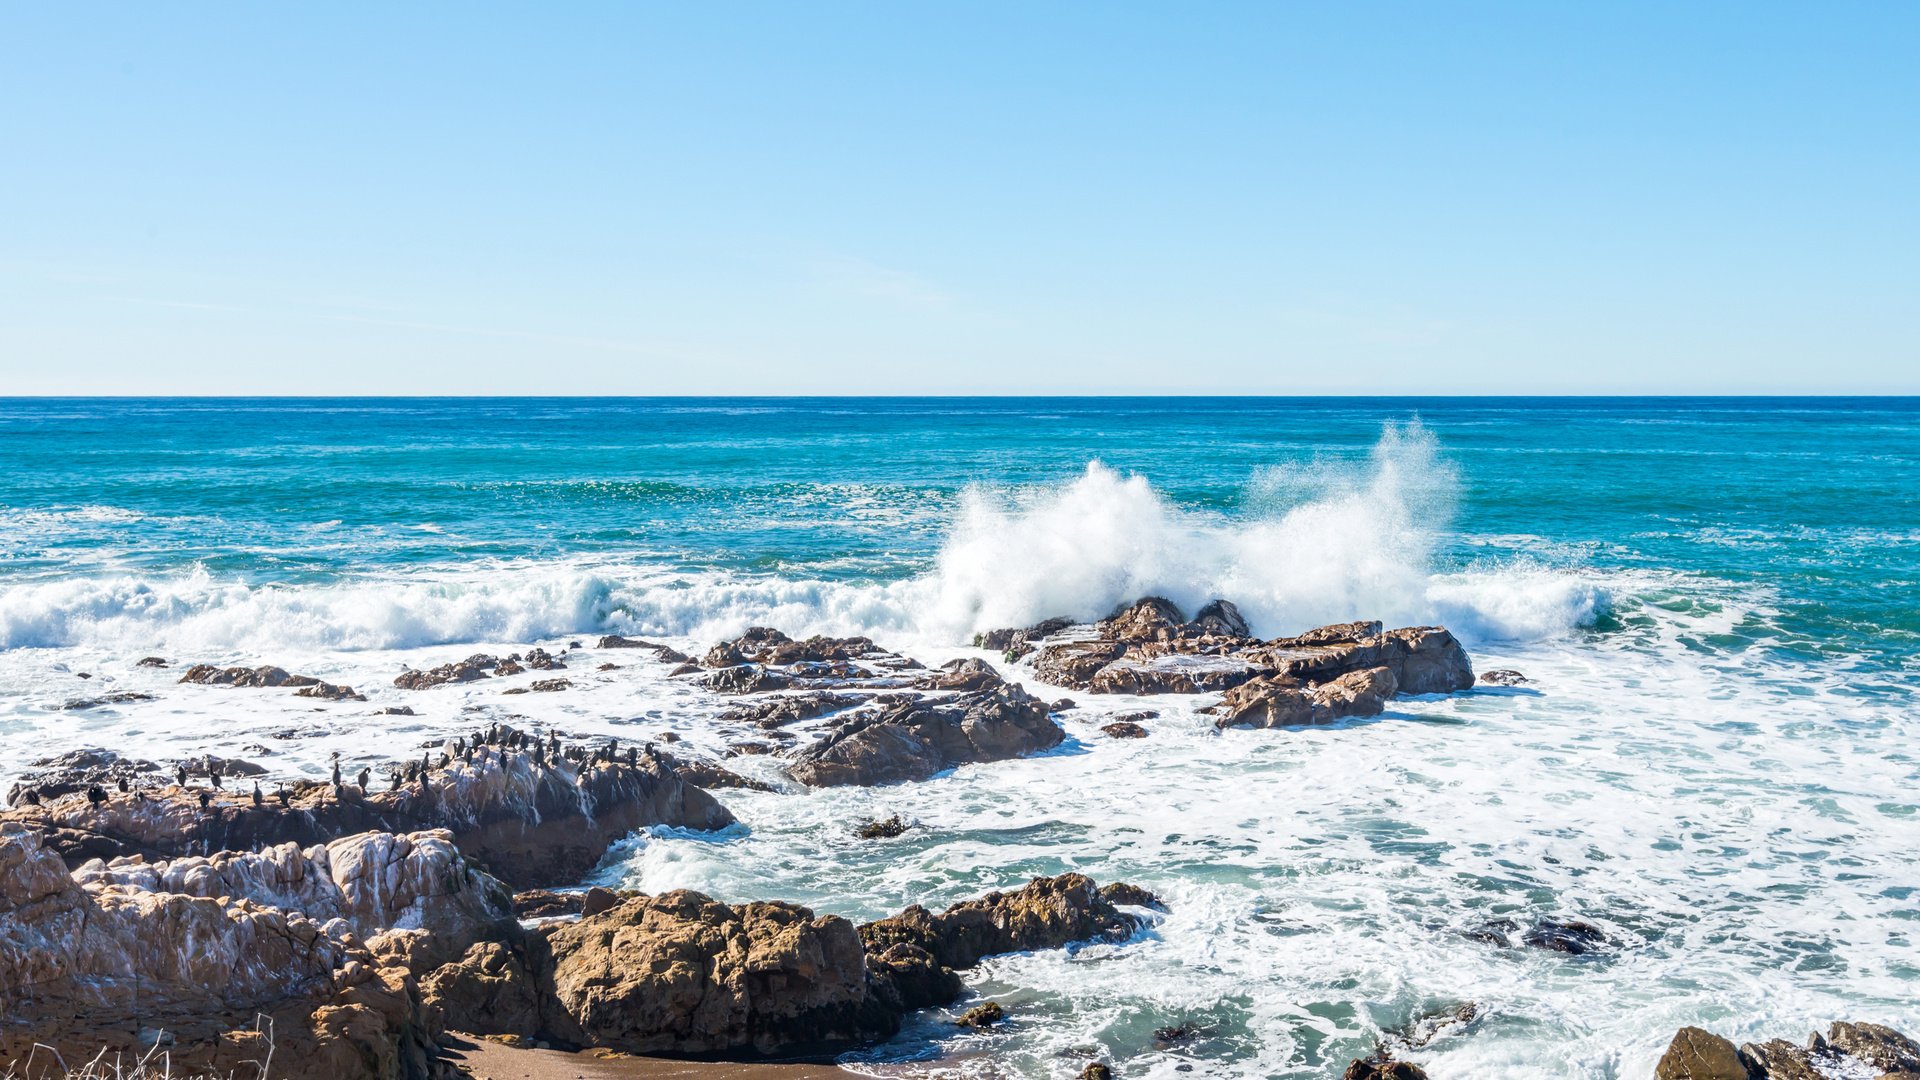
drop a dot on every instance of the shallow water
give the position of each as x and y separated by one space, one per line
1713 760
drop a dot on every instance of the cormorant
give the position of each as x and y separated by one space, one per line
96 794
124 786
336 774
214 775
394 779
180 774
257 800
206 798
633 757
365 775
280 792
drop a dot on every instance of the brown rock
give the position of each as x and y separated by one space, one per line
965 674
785 709
1273 702
914 739
545 904
473 667
329 692
1124 729
1696 1054
598 900
1379 1068
265 675
1047 914
983 1015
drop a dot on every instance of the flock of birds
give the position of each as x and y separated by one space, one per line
494 740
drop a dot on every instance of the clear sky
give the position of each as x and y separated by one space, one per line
960 197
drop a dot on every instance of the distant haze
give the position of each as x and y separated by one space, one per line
849 198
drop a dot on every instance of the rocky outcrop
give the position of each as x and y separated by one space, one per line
684 974
1847 1050
528 821
784 709
1278 701
1047 914
473 667
264 675
916 738
1382 1068
371 882
77 770
79 962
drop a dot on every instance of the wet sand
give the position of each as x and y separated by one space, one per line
491 1061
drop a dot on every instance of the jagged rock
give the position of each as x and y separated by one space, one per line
1222 618
1571 936
1379 1068
746 679
1696 1054
1879 1047
265 675
914 739
120 697
329 692
1150 618
1335 634
473 667
1017 640
77 770
706 774
1171 673
963 674
1131 895
509 666
1503 677
784 709
1423 659
371 881
524 823
1273 702
1047 914
208 764
1124 729
1075 663
984 1015
545 904
884 829
542 660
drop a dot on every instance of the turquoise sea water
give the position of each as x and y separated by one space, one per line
1715 599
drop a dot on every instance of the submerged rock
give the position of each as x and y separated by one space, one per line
121 697
984 1015
914 739
1503 677
884 829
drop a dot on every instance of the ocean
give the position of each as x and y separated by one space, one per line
1713 600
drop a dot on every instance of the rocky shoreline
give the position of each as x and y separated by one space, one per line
346 930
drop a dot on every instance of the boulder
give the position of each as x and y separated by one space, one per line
914 739
1019 641
1124 729
1150 618
1695 1054
964 674
265 675
472 668
1222 618
1047 914
1278 701
327 691
1503 677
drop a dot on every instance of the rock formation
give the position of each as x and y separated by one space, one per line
1868 1051
916 738
526 822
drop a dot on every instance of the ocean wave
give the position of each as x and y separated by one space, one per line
1310 545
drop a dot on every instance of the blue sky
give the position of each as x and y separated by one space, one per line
960 198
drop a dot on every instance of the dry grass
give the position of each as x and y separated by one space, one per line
47 1063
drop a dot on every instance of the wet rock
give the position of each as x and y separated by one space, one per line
1381 1068
208 764
1131 895
765 645
746 679
666 736
1425 1029
1018 642
523 822
684 668
541 686
1150 618
1171 673
1047 914
706 774
1124 729
1571 936
122 697
983 1015
914 739
396 710
1222 618
964 674
1423 659
1096 1070
1876 1046
884 829
509 666
545 904
1696 1054
1336 634
265 675
599 899
1503 677
542 660
468 670
774 712
1273 702
608 667
151 661
329 692
1075 663
77 770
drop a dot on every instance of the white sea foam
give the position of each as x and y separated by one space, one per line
1311 546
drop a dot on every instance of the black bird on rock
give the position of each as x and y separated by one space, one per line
365 776
336 774
96 794
280 792
124 786
206 799
393 779
180 774
214 775
257 800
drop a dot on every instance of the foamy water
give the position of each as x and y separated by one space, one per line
1698 765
